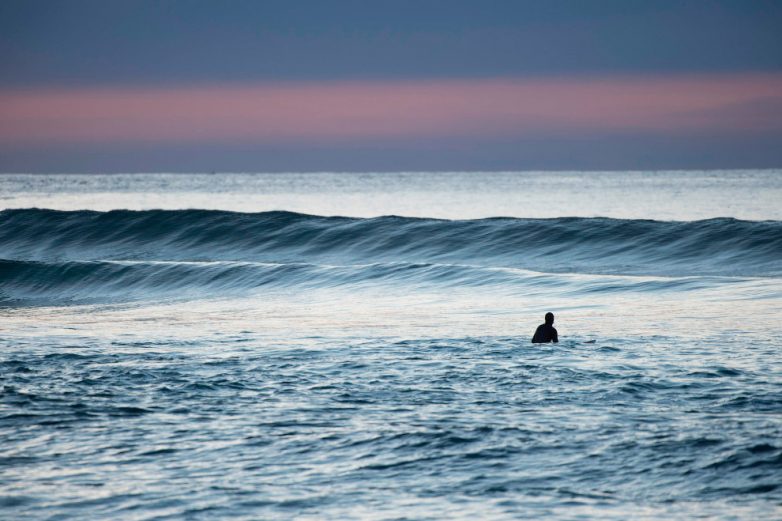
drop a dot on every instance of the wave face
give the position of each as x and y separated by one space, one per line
80 255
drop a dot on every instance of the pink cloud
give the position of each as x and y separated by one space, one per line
350 111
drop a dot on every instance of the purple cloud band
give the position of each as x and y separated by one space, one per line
372 111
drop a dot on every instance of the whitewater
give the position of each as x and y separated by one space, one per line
356 346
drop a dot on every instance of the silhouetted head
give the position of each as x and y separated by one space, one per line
549 318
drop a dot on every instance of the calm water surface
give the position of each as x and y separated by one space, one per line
169 364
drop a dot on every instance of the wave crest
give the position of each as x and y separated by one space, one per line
580 245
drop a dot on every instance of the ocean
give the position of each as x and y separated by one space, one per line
357 345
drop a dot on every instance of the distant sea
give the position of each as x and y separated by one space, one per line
357 345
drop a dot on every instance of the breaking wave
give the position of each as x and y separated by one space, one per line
83 255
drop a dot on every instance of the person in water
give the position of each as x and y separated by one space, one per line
545 332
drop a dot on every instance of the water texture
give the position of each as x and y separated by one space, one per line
207 364
663 195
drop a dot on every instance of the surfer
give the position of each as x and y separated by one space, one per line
545 332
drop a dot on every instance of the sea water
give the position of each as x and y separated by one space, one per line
356 346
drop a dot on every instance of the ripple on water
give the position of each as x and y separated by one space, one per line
274 432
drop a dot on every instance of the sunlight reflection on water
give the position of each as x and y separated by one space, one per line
675 195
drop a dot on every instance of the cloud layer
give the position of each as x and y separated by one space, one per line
329 112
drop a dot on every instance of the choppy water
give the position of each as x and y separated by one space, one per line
275 365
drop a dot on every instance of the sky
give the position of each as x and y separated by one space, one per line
198 86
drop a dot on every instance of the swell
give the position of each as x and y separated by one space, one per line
82 282
577 245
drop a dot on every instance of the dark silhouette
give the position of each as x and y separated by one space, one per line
545 332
